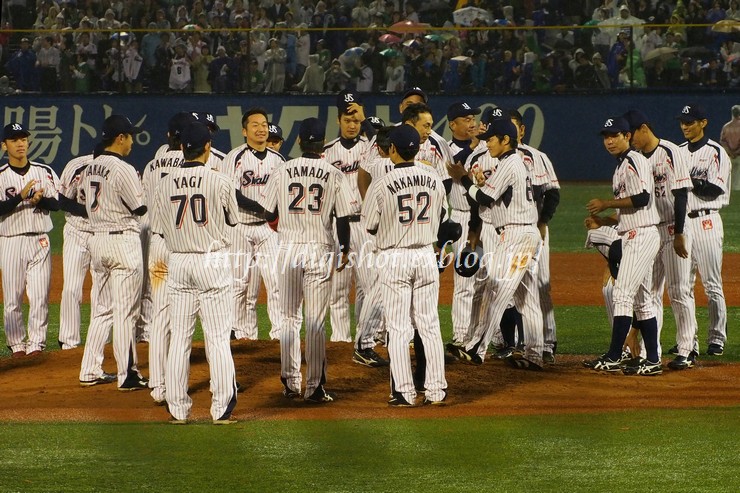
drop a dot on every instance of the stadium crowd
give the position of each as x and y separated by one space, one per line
276 46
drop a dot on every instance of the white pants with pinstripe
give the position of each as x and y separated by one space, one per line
305 277
410 283
76 262
159 328
544 287
200 284
26 266
633 286
118 267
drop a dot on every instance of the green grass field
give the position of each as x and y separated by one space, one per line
690 450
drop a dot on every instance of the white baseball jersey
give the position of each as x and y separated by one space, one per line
408 201
601 239
458 200
27 218
112 192
183 213
154 172
510 185
377 166
307 192
707 160
435 152
346 155
250 170
632 176
670 172
543 173
69 186
179 73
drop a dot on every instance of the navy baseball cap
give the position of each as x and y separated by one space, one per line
178 122
208 119
276 133
636 119
499 125
404 137
195 135
116 125
691 113
459 109
615 125
345 98
312 130
376 122
14 131
415 91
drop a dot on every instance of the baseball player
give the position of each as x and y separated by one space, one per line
636 222
305 193
403 209
114 202
256 244
155 172
673 263
511 240
345 153
29 193
216 156
709 167
546 188
275 137
76 251
194 207
461 120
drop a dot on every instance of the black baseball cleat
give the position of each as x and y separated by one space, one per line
464 356
522 363
134 382
715 350
397 400
368 357
321 396
101 380
673 350
683 362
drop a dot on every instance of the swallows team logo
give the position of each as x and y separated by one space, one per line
43 242
632 234
706 224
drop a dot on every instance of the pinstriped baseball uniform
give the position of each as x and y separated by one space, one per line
75 255
601 239
194 207
511 242
707 160
543 175
405 207
112 191
671 173
154 173
255 243
346 155
306 192
640 239
25 261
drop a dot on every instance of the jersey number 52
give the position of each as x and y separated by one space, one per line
406 210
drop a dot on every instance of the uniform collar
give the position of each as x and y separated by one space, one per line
192 164
311 155
349 143
506 154
462 143
408 164
695 146
623 155
21 171
258 154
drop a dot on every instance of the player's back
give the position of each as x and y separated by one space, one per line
309 192
112 192
191 208
70 186
410 200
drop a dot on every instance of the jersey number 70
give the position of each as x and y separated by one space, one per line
198 209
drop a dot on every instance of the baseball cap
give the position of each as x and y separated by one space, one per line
415 91
14 130
345 98
312 130
499 125
276 133
208 119
195 135
691 112
376 122
116 125
178 122
615 125
456 110
635 119
404 137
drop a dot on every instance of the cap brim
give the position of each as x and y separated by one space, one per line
16 134
687 118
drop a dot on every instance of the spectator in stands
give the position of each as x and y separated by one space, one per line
223 72
82 74
132 68
335 78
584 73
602 75
275 58
395 75
687 77
200 70
733 11
22 67
276 12
67 61
303 50
711 74
180 77
364 74
313 77
258 48
361 14
163 55
47 61
256 79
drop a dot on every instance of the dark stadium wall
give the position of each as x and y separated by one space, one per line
564 126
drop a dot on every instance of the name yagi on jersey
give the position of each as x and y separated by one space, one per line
187 182
98 170
412 181
310 171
